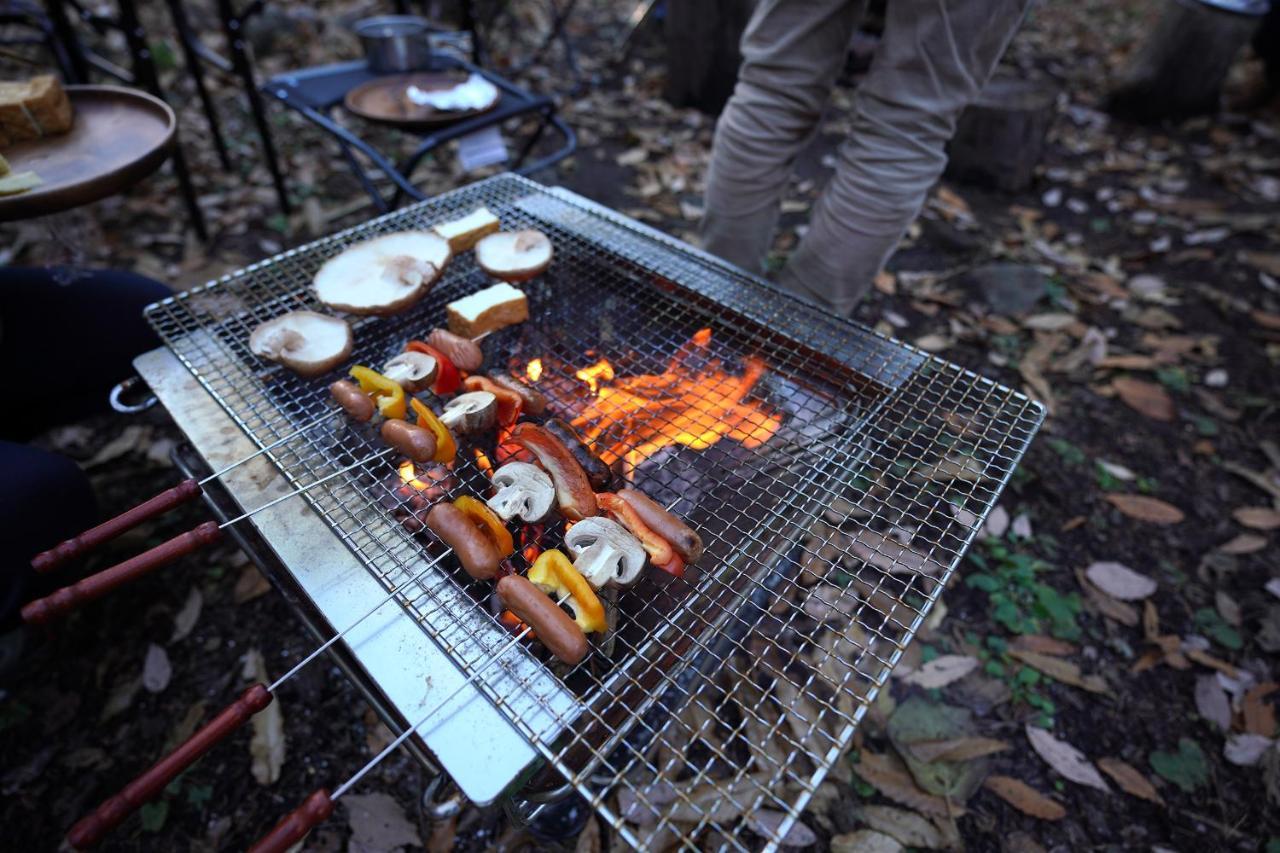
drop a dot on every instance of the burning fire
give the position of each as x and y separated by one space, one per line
534 370
408 475
694 403
483 463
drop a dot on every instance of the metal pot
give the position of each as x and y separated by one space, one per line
395 43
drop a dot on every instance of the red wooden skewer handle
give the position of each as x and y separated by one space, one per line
91 828
47 561
59 602
288 832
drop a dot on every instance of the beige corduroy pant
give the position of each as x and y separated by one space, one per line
934 58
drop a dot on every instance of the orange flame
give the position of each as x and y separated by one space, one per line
407 473
483 463
592 375
634 417
534 370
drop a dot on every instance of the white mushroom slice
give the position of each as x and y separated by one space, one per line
469 413
306 342
524 491
414 371
605 552
383 275
514 255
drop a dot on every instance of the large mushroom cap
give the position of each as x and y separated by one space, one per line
514 255
304 341
383 275
605 552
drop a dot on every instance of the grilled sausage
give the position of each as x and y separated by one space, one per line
598 473
463 352
535 402
413 441
354 401
671 528
574 495
475 551
562 637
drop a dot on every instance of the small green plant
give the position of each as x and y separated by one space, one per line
1023 681
1019 600
1069 453
1187 768
1174 378
1211 623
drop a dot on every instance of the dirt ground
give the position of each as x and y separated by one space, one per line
1151 331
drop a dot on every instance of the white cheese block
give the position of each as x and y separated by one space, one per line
463 233
487 310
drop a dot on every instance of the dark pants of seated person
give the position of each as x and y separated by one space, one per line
62 348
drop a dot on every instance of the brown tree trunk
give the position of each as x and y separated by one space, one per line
1000 137
702 51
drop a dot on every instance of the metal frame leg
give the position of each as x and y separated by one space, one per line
233 26
187 40
144 71
78 65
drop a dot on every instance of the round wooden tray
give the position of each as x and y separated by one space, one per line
119 136
384 101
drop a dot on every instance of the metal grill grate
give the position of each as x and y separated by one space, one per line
736 687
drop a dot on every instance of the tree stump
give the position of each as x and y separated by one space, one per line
1181 67
999 138
702 51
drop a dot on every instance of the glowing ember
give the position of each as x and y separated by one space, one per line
482 461
695 406
534 370
407 473
592 375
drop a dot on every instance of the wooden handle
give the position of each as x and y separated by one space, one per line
59 602
90 829
288 832
47 561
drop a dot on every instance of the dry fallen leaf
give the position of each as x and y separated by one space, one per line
896 783
1259 714
956 749
378 823
1130 780
1145 398
1106 605
1061 670
1257 517
250 585
942 670
267 744
1065 758
767 822
156 669
1042 645
1143 508
1246 750
1212 702
1245 543
185 619
892 556
1024 798
1119 581
907 828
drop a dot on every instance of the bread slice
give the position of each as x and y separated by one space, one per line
48 104
19 182
487 310
463 233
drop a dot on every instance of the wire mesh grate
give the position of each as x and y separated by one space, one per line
828 540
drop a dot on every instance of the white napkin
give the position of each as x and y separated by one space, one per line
475 92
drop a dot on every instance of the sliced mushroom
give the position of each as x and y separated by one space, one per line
514 255
524 492
475 411
415 371
383 275
604 552
306 342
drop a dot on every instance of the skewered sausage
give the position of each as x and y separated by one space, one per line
598 473
535 402
574 495
413 441
671 528
463 352
355 402
477 553
562 637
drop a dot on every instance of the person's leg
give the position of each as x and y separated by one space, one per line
68 344
933 60
44 498
792 51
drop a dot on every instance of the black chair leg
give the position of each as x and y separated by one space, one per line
144 71
194 64
232 26
77 66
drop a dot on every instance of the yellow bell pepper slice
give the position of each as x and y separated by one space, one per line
488 522
446 447
555 575
387 393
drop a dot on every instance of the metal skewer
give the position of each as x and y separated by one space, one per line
47 561
62 600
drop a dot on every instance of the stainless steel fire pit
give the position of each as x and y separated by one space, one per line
835 506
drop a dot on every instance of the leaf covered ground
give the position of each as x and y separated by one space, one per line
1102 671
